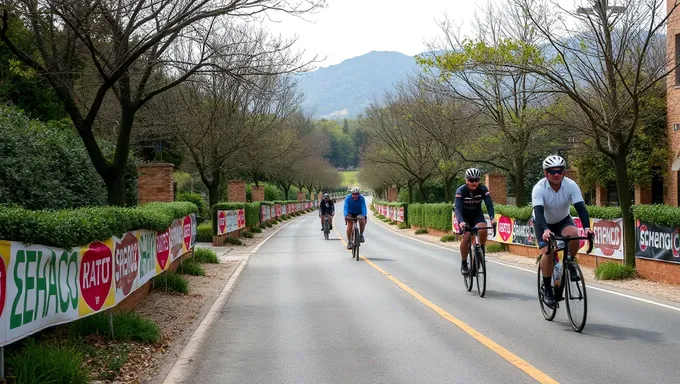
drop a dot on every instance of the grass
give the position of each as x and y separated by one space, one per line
392 222
203 255
233 241
190 267
269 225
349 178
614 271
176 282
127 326
204 233
256 230
247 234
402 226
493 248
47 364
448 238
421 231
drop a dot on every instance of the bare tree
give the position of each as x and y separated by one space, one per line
606 60
512 107
139 49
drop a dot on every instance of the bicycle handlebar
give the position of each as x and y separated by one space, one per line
475 229
567 239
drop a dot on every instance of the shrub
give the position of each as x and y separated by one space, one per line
233 241
520 213
247 234
392 222
662 215
493 248
256 230
253 211
47 364
176 282
197 199
203 255
437 216
614 271
204 233
402 226
76 227
190 267
127 326
272 192
284 217
421 231
269 224
448 238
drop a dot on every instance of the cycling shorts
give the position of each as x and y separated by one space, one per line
554 228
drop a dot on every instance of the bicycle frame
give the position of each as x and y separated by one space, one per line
474 238
567 257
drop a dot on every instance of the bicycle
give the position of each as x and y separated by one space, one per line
326 225
571 275
356 236
477 261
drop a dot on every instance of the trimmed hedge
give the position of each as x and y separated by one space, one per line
197 199
75 227
437 216
524 213
253 214
662 215
204 233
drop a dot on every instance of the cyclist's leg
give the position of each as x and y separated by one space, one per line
321 216
571 230
546 266
464 242
350 226
481 222
362 226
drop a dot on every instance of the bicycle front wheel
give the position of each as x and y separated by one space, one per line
548 313
481 272
468 278
357 243
577 300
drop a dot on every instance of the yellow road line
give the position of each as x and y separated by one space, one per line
515 360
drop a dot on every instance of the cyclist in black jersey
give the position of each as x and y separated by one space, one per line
468 209
326 207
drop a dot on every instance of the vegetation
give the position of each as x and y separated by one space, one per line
233 241
614 271
436 216
247 234
190 267
48 364
127 326
203 255
448 238
421 231
494 248
204 232
175 282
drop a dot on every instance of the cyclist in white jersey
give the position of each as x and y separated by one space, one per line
551 200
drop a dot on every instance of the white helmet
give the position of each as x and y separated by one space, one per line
473 173
554 161
355 189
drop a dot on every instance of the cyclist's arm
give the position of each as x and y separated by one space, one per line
539 219
458 208
583 213
489 204
332 209
364 211
346 209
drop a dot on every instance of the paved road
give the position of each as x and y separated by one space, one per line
304 312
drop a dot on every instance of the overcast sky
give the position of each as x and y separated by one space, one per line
349 28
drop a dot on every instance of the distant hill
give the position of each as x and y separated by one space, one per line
346 89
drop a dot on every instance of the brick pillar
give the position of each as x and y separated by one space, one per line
155 182
601 196
498 187
236 190
257 192
572 174
302 196
643 195
392 193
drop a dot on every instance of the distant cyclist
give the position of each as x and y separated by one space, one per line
355 205
551 198
326 208
468 209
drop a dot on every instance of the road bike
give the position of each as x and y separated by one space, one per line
326 225
356 236
476 261
570 282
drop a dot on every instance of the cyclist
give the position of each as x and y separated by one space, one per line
468 210
326 208
355 205
551 198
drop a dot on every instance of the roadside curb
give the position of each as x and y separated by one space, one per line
180 368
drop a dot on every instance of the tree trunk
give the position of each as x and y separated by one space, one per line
214 189
115 188
623 188
447 188
520 191
286 189
410 192
421 192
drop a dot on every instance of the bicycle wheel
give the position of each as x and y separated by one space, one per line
357 242
326 231
480 260
548 313
468 278
577 300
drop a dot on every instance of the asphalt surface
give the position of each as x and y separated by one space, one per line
303 311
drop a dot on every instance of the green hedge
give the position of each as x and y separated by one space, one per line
524 213
76 227
392 204
253 214
663 215
437 216
197 199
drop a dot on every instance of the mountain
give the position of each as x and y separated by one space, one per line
346 89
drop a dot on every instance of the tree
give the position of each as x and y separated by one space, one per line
511 107
138 50
607 61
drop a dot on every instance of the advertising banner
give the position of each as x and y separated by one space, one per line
230 221
657 242
42 286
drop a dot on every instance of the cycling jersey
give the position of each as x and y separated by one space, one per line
555 204
326 207
355 207
468 204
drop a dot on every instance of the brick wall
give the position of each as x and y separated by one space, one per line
155 182
302 196
498 187
236 190
601 197
673 110
643 195
257 192
392 194
658 270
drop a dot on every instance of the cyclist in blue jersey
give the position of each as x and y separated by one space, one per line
355 205
468 209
